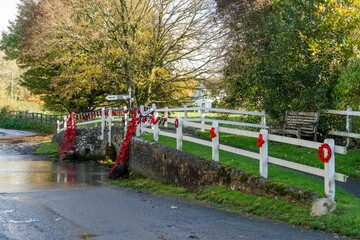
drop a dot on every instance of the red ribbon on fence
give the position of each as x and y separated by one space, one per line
68 143
212 132
119 168
153 120
176 123
260 141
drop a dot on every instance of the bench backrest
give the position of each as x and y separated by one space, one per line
308 121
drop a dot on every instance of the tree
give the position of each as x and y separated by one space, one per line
76 52
347 91
290 53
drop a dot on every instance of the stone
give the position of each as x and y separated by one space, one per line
322 206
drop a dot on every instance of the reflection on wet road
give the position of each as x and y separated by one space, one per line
24 175
27 175
20 171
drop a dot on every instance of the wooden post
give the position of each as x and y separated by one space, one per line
65 123
102 123
329 179
57 126
202 116
109 126
185 113
264 154
166 116
156 127
153 106
179 134
263 120
348 125
215 142
138 129
126 121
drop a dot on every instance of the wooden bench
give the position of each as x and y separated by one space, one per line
300 124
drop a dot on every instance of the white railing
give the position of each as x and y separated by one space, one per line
106 117
349 113
329 168
203 119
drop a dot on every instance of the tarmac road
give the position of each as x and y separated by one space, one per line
106 212
67 202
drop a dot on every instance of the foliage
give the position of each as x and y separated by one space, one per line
4 111
348 89
77 52
287 53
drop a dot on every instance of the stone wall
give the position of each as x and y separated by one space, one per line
172 166
89 146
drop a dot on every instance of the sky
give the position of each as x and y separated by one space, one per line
8 12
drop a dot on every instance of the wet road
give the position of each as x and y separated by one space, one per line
40 199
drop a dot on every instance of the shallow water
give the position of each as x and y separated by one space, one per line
20 171
28 175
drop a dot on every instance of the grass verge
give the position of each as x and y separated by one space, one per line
344 221
20 124
47 149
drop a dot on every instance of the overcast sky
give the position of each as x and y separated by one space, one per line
7 12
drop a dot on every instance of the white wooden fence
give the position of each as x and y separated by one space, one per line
329 168
349 113
328 172
203 119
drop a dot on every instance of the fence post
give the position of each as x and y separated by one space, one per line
139 126
125 121
166 117
202 117
329 179
348 125
102 123
215 142
153 106
65 123
263 119
185 113
57 126
109 127
156 127
264 154
179 134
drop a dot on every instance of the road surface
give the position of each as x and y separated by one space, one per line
40 199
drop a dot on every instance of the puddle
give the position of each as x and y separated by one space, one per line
23 175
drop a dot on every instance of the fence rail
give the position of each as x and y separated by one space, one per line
329 174
349 113
37 117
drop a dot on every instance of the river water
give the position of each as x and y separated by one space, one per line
21 171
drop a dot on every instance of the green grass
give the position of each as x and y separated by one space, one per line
347 164
20 124
345 220
48 149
